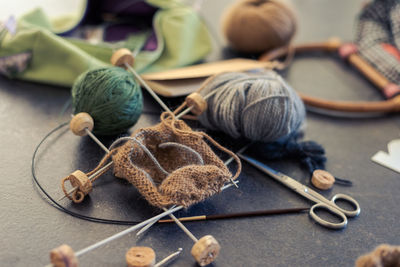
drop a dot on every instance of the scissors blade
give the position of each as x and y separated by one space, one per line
262 167
284 179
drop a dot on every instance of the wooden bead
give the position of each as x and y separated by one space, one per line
205 250
81 180
322 179
63 256
140 257
80 122
197 103
122 56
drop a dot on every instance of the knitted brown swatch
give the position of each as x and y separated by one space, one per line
170 164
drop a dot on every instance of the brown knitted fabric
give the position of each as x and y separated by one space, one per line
383 256
183 170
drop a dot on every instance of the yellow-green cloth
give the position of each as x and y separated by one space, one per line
182 39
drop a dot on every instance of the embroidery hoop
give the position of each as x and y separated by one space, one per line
347 52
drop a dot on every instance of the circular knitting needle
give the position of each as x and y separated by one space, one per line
77 125
204 250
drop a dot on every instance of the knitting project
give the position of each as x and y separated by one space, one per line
169 163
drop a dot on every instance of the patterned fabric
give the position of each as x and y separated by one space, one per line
15 64
378 37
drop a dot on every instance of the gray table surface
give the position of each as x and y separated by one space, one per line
30 227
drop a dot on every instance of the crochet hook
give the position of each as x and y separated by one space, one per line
237 215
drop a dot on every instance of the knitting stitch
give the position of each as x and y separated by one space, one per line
170 164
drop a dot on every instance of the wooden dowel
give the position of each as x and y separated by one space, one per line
330 45
392 105
238 215
368 71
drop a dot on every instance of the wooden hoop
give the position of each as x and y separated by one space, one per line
349 53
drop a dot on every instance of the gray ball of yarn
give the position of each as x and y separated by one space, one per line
258 106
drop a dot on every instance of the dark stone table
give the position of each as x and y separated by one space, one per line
30 227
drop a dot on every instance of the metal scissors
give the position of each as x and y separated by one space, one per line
321 201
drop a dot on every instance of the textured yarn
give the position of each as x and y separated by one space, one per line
111 97
383 256
254 26
310 154
170 164
257 106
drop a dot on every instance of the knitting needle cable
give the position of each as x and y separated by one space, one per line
165 210
236 215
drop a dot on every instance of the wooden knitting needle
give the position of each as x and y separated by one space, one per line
124 58
205 249
237 215
120 234
82 123
76 127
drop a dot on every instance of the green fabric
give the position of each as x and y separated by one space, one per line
182 39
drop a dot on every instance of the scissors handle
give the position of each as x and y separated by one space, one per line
334 209
331 210
352 201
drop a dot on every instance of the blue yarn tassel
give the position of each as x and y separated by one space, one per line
309 153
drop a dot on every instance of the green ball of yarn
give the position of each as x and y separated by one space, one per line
111 96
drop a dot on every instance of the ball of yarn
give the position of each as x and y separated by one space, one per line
257 106
111 96
254 26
